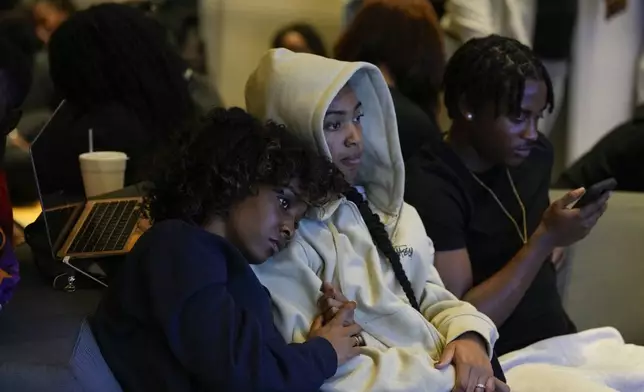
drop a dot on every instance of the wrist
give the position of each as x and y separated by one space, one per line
474 337
543 239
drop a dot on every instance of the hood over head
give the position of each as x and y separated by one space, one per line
296 89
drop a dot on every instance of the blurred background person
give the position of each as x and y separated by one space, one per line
191 46
192 49
618 155
403 39
299 37
46 18
49 15
15 79
117 67
351 8
17 26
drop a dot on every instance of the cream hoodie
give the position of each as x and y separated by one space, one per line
333 243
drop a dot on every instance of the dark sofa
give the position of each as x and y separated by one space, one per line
45 342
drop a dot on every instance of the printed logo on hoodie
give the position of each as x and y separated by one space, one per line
404 251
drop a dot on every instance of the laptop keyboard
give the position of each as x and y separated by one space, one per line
107 227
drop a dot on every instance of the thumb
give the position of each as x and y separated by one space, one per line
345 313
490 385
500 386
446 357
570 197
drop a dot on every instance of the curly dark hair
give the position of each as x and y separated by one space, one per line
404 36
495 69
224 161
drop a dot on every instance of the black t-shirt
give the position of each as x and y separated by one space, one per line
459 213
619 154
415 126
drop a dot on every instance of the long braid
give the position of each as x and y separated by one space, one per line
383 243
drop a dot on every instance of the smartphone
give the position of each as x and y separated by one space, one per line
596 191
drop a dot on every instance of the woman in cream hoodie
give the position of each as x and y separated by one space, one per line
413 327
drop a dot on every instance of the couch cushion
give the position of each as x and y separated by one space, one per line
45 344
605 284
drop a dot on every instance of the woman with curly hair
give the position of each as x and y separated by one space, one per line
187 313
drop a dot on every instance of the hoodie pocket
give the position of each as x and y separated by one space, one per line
405 328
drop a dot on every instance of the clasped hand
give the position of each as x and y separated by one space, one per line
468 353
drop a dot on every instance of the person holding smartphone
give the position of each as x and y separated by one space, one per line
483 195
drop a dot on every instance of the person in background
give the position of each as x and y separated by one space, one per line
369 245
483 197
191 46
299 37
186 312
16 27
49 15
617 155
117 68
547 26
352 7
192 50
15 80
403 38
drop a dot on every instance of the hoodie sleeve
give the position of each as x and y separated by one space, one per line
452 317
219 342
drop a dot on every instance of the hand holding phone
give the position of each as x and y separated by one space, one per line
564 225
596 191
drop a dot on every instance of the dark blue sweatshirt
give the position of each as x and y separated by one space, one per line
187 313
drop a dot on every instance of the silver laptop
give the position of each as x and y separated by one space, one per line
78 227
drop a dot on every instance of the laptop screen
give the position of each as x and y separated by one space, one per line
62 202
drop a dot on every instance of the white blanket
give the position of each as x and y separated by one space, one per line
596 360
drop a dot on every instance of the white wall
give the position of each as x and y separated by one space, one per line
238 32
603 75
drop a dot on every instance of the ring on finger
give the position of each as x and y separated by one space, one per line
480 386
360 340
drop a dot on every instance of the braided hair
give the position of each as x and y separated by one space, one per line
496 67
383 243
